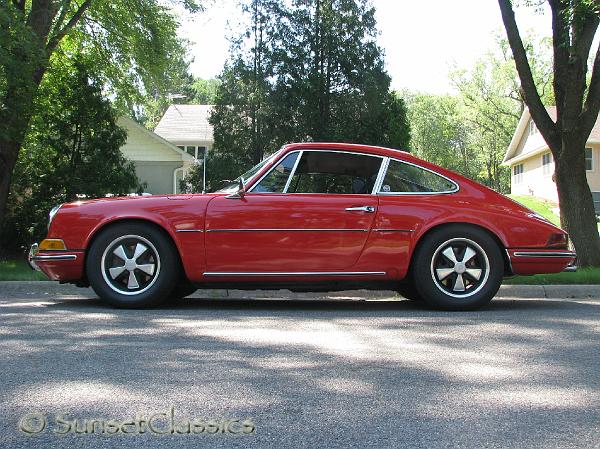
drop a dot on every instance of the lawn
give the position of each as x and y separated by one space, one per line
581 276
18 270
542 207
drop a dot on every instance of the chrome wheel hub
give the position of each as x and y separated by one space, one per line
130 264
460 267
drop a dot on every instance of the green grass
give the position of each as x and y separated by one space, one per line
18 270
542 207
581 276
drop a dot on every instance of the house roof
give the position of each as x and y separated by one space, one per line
133 124
186 123
510 158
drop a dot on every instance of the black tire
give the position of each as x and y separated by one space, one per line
408 291
146 277
182 289
465 277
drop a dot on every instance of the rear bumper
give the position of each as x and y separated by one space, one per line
539 261
57 265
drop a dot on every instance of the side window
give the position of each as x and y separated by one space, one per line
402 178
335 173
275 181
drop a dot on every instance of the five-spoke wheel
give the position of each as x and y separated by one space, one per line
460 267
457 267
133 265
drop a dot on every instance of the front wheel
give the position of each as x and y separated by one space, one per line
458 268
132 265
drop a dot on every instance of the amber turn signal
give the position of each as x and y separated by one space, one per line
559 241
52 245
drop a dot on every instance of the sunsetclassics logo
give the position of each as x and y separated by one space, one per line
162 423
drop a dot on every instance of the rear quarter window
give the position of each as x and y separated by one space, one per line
407 178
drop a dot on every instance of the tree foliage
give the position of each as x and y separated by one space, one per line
303 70
72 151
131 47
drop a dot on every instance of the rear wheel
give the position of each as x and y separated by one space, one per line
458 268
132 265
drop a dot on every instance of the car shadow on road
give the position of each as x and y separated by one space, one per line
336 305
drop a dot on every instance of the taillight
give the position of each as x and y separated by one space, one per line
558 241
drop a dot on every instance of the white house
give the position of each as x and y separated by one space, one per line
158 163
532 165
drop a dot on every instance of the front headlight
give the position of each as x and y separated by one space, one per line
52 213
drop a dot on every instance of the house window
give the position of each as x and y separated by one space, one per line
589 159
518 173
195 151
547 164
532 128
181 147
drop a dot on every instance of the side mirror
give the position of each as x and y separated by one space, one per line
240 193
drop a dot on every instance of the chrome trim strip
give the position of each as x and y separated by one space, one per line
295 273
189 230
456 189
544 254
56 257
289 180
287 230
393 230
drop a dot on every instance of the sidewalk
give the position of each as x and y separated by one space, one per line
25 289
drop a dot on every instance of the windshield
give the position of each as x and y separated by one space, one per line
232 186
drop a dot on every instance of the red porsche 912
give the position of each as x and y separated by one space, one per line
312 217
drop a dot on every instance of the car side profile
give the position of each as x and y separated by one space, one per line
312 217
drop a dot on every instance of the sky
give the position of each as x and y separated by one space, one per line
422 40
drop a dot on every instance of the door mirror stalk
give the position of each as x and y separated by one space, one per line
240 193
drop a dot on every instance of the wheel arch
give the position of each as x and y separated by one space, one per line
421 238
109 224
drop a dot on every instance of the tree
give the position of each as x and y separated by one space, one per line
72 150
331 81
574 24
492 103
243 115
133 43
439 134
303 70
204 91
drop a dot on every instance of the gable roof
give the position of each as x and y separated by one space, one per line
133 124
186 122
522 127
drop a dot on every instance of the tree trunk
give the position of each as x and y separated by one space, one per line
576 203
8 158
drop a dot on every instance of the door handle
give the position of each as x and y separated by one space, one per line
369 209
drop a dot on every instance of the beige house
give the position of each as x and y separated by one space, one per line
162 158
158 163
532 166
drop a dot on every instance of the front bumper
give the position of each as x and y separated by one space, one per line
57 265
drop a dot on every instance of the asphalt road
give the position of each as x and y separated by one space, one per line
328 373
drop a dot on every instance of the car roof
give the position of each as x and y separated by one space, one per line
359 148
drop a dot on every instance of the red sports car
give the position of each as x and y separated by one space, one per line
312 217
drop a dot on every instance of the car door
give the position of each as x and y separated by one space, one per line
311 213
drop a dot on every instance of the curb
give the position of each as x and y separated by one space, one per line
46 288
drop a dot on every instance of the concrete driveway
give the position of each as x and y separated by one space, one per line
315 373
